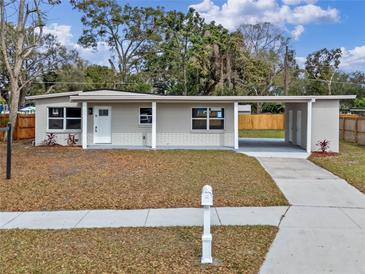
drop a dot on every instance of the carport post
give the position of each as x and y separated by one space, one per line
84 125
154 126
309 126
235 121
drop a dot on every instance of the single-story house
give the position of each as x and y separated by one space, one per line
117 119
358 111
244 109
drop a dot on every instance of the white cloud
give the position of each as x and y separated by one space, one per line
300 61
289 12
311 13
297 31
298 2
62 32
65 37
353 59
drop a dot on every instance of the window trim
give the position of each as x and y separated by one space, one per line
207 118
64 119
139 118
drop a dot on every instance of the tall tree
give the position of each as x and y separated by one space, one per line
265 45
127 30
321 67
21 34
169 60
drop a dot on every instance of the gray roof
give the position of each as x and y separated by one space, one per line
122 96
104 92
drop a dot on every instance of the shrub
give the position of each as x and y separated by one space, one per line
324 145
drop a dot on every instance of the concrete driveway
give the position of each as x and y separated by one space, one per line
324 229
270 147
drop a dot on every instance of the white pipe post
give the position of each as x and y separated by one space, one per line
154 126
84 125
235 121
207 202
309 127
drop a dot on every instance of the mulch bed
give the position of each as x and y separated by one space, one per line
324 154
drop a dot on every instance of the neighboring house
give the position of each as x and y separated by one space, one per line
117 119
358 111
244 109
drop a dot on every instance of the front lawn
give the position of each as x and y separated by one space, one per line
50 178
349 164
262 133
133 250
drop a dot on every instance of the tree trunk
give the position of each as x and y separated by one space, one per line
329 84
185 89
258 108
221 72
286 77
229 71
14 103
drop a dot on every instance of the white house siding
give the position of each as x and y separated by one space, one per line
295 107
325 123
41 117
126 130
174 126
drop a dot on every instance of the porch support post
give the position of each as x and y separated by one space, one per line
235 121
309 126
154 126
84 125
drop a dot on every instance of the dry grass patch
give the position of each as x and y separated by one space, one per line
262 133
133 250
49 178
349 164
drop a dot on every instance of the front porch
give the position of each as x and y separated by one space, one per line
187 126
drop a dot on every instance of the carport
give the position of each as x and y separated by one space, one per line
298 125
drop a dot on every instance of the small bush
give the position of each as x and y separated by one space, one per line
323 145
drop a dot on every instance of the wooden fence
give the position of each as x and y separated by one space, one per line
352 128
261 121
25 126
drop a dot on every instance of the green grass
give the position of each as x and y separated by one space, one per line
349 164
262 133
133 250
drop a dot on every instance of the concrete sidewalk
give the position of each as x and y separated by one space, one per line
324 229
140 218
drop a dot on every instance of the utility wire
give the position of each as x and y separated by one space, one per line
98 83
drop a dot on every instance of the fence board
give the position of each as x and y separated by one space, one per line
25 126
352 128
261 121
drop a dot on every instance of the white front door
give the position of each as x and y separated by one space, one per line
102 125
299 128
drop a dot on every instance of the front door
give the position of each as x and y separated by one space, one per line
102 125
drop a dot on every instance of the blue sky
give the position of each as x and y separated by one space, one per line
311 24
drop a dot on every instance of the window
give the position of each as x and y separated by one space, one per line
208 118
103 112
64 118
216 118
145 116
199 118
